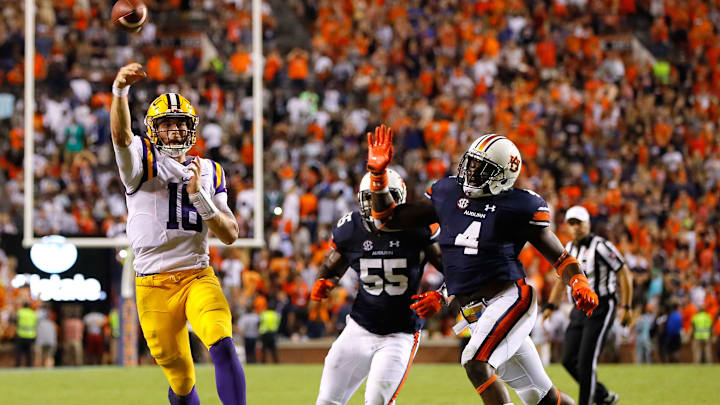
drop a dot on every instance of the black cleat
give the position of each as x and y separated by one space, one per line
611 398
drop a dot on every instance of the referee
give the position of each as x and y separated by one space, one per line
604 267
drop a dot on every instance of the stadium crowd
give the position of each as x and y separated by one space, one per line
613 104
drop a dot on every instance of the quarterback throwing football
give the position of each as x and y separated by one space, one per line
484 224
173 200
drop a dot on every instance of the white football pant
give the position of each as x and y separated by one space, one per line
500 337
357 353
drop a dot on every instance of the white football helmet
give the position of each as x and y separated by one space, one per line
490 166
397 188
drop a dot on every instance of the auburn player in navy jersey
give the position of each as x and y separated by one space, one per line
484 223
382 332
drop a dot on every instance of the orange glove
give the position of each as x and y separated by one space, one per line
320 289
585 298
380 149
428 304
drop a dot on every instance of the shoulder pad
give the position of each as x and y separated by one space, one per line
344 229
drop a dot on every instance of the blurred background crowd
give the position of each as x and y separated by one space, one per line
614 105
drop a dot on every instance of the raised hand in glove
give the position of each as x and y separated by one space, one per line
585 298
380 149
427 304
320 289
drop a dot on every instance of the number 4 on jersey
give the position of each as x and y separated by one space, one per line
470 238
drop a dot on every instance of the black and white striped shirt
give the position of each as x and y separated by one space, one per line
600 260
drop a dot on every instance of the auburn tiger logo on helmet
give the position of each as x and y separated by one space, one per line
172 105
490 166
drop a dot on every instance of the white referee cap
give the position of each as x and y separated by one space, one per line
577 212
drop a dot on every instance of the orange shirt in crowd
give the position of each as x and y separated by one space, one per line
688 312
240 62
436 132
436 169
545 51
298 68
272 65
251 281
627 6
297 291
280 265
154 68
308 205
492 46
711 305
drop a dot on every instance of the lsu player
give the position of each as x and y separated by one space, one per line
382 332
484 223
173 200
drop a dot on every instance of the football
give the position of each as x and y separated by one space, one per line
129 15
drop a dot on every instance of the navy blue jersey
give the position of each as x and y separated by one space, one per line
390 266
481 238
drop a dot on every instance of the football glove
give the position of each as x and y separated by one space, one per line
320 289
427 304
380 149
585 298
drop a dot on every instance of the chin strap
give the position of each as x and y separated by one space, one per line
204 204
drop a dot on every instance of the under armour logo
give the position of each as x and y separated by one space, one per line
394 243
489 207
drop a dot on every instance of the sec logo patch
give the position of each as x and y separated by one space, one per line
463 203
367 245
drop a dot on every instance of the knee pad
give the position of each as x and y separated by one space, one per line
181 385
180 374
216 325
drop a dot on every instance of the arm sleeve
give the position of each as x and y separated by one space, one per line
130 164
219 194
220 201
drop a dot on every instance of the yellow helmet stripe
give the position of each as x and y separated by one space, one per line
484 143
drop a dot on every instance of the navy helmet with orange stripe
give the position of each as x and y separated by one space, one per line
490 166
172 105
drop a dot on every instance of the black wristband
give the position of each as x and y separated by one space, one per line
627 307
550 306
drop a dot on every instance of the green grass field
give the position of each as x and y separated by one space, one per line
427 384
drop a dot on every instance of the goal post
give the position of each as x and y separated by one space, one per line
258 239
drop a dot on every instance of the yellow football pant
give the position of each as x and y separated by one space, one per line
165 303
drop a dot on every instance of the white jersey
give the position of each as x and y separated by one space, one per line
165 230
